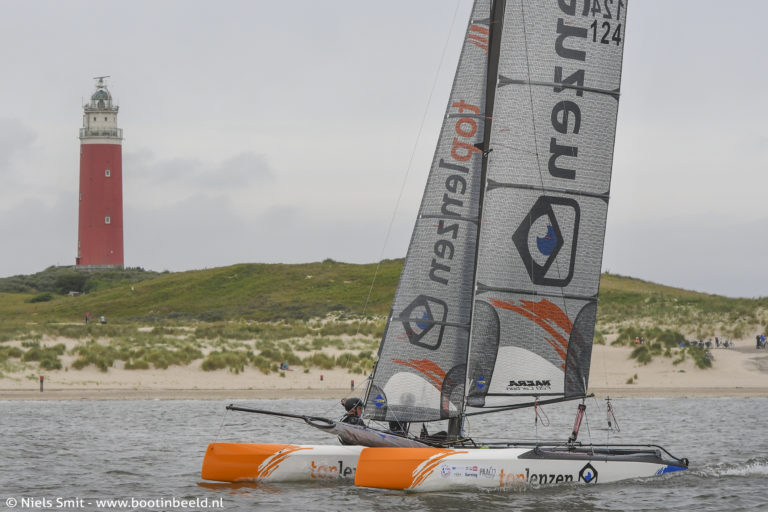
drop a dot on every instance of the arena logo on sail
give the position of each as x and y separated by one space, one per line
546 240
419 318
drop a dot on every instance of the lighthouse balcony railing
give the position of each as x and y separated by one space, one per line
91 132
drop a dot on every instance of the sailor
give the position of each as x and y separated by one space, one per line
354 408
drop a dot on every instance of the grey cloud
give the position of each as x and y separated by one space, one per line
15 138
204 231
38 234
234 173
243 169
729 251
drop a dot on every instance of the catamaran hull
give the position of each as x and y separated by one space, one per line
252 462
429 469
434 469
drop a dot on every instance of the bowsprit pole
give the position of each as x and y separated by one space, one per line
232 407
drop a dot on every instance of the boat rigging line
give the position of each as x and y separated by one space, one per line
413 154
613 423
407 171
537 415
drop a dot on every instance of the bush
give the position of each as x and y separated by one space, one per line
50 362
667 337
40 297
101 356
70 282
642 354
46 357
137 364
262 364
162 357
599 338
234 360
700 358
321 360
7 352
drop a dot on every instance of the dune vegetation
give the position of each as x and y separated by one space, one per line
322 315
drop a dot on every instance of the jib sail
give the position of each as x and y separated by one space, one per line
421 369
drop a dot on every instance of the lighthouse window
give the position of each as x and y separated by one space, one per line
94 118
105 118
107 220
107 173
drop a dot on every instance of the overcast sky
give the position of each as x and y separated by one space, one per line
263 131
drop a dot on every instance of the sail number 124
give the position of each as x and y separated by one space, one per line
604 32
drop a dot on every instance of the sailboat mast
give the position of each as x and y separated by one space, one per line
496 26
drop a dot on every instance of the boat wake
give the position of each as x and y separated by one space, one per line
752 467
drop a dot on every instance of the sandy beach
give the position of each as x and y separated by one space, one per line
737 372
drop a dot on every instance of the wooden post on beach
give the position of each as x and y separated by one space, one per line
41 383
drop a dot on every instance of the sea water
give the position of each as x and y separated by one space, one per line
146 455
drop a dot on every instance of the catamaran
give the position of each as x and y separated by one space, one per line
497 302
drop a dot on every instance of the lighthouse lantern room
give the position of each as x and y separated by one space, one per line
100 220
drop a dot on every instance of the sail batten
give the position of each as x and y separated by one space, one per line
562 191
503 80
483 289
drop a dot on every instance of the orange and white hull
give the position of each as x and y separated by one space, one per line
438 469
431 469
253 462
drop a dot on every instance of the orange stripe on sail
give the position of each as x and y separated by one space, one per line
544 314
557 347
549 311
481 41
427 368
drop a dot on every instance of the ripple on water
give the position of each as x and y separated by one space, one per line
154 449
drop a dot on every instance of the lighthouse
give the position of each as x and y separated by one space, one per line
100 220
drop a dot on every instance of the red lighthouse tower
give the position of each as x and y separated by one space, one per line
100 223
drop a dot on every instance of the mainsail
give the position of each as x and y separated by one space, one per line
546 200
524 156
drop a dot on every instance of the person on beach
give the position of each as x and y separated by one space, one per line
354 408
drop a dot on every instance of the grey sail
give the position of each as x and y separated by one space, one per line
544 208
421 368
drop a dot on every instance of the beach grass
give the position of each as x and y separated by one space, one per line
316 315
